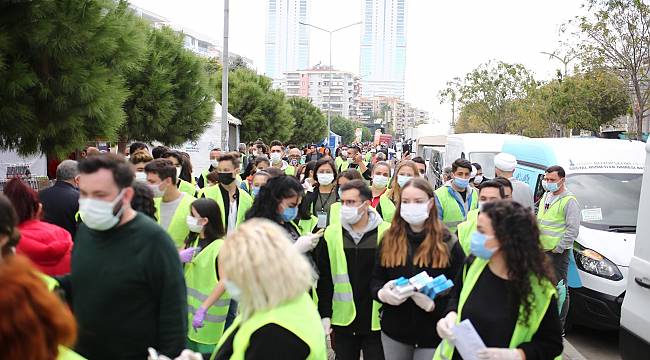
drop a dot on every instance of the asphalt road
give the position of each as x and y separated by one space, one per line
594 344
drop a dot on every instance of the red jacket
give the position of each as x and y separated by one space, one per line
48 246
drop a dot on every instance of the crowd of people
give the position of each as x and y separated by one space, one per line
278 252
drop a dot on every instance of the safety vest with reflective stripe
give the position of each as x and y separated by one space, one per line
523 332
49 281
551 221
186 187
306 226
290 170
465 230
454 210
244 202
343 309
386 208
298 315
201 278
177 229
67 354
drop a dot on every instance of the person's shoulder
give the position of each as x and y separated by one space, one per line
147 231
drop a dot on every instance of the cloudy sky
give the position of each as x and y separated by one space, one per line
445 38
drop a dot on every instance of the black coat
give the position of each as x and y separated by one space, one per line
60 205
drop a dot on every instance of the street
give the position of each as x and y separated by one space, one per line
593 344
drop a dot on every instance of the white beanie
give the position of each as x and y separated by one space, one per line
505 162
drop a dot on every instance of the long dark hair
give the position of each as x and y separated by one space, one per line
214 229
271 194
515 228
142 200
432 252
8 225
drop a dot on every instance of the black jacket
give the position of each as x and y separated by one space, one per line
360 259
408 323
60 205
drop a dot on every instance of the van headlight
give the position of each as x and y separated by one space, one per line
593 262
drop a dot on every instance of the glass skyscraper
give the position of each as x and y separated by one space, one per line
382 60
287 42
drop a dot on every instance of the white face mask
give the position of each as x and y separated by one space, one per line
233 290
325 178
403 179
214 163
415 214
350 214
141 176
155 188
478 179
98 214
276 157
344 154
193 224
379 181
178 173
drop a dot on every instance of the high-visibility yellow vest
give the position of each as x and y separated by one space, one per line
541 297
343 309
67 354
204 175
49 281
298 315
386 208
306 226
552 221
290 170
454 210
244 202
338 161
465 230
186 187
177 229
200 279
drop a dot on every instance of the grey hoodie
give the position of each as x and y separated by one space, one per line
374 219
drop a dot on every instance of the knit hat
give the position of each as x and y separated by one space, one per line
505 162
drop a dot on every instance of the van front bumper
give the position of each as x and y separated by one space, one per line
594 309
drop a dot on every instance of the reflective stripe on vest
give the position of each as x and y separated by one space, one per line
541 295
177 228
465 230
453 209
244 202
201 278
551 221
299 316
343 309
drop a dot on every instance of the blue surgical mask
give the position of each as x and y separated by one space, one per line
550 186
289 214
403 179
255 190
477 246
461 183
233 290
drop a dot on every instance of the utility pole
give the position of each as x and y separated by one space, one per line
224 78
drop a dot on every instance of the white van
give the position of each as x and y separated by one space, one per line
477 148
634 339
605 176
432 150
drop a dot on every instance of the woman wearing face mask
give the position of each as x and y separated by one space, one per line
417 241
202 248
318 202
380 200
269 278
140 159
506 290
405 171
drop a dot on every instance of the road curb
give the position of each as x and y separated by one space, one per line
570 352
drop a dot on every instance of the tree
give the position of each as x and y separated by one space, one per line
492 88
264 112
451 95
366 134
61 66
617 34
344 127
170 99
311 124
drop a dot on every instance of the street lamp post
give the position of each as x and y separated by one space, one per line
329 90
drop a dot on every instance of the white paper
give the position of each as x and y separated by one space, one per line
595 214
467 342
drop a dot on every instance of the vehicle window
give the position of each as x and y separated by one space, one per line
486 159
607 200
539 191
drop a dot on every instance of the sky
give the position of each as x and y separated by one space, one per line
445 39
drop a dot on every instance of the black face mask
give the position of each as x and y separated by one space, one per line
225 178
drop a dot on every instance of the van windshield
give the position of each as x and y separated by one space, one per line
486 160
607 201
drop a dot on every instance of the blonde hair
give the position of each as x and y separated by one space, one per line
395 190
260 259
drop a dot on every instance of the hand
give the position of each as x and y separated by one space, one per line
389 294
306 243
358 159
189 355
327 326
187 254
423 301
499 354
199 317
444 326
